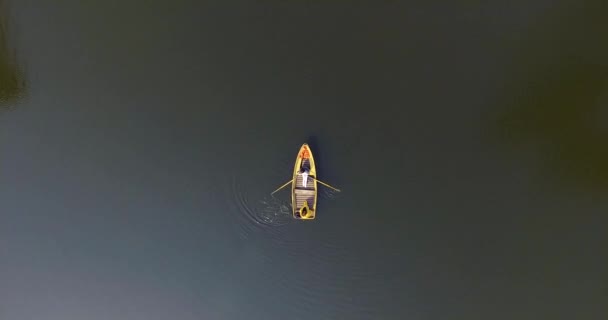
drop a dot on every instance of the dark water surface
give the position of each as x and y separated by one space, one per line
468 140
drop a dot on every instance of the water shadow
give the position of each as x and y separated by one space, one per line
556 102
319 155
13 86
313 142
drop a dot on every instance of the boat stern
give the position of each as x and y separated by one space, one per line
304 213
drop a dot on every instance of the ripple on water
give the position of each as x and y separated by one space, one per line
327 194
304 259
265 215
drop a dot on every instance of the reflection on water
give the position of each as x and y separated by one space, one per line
12 82
268 211
288 255
560 98
285 249
265 213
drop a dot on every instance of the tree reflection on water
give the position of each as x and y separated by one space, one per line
557 100
12 82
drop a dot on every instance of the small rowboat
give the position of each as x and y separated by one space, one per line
304 190
304 185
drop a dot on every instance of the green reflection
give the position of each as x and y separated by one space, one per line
557 102
12 82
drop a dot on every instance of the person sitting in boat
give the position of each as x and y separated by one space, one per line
304 177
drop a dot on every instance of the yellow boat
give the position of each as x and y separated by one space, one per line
304 185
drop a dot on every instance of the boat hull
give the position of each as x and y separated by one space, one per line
304 190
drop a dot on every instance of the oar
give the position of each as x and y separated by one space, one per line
281 187
325 184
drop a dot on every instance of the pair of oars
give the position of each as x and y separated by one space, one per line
319 181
